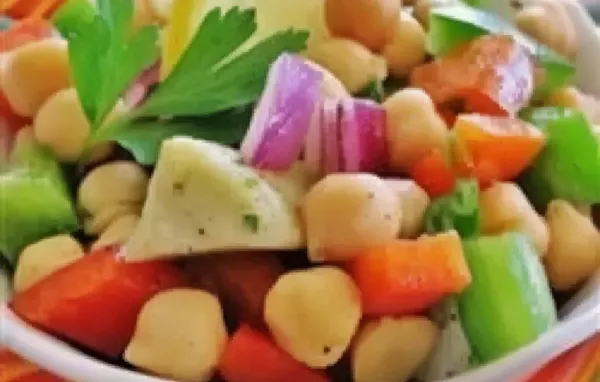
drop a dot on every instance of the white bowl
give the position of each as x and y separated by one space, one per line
580 318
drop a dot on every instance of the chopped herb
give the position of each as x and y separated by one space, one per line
251 221
201 232
251 182
178 186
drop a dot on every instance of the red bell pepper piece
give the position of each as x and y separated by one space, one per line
95 301
492 75
253 357
434 174
409 276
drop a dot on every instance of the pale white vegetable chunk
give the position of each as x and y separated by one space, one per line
95 225
292 184
45 257
354 65
407 48
414 127
112 184
414 202
313 314
202 200
504 207
574 251
118 232
33 73
392 349
344 213
180 334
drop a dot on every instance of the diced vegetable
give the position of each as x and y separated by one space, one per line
453 26
250 356
495 148
434 174
15 369
458 211
406 277
23 9
569 166
508 304
5 23
491 75
95 301
414 202
282 117
24 32
28 154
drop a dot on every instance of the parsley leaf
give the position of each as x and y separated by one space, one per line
251 221
207 80
106 57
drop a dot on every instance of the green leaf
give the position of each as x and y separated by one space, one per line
569 166
458 211
73 15
207 80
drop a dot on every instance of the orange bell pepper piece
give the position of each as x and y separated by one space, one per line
434 174
95 301
253 357
492 75
409 276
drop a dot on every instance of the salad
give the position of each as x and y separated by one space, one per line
364 191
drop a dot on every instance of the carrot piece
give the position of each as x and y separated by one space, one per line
434 174
409 276
495 148
24 32
253 357
95 301
492 75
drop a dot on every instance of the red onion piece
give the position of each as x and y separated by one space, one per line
332 150
313 152
283 115
139 90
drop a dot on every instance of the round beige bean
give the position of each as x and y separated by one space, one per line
118 232
313 314
574 251
112 184
406 50
414 127
33 73
97 224
180 334
354 65
344 213
392 349
45 257
414 202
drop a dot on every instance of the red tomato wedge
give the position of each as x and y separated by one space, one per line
253 357
434 174
95 302
495 148
409 276
492 75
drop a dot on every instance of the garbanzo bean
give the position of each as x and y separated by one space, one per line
504 207
97 224
346 212
45 257
574 251
112 184
33 73
118 232
180 334
406 50
414 127
392 349
370 22
353 64
413 204
313 314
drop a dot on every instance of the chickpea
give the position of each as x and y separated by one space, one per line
346 212
414 202
406 50
371 22
45 257
422 9
313 314
33 73
574 251
115 183
392 349
414 127
118 232
331 86
96 225
349 61
180 334
504 207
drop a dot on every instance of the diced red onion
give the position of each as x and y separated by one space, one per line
283 115
332 139
139 90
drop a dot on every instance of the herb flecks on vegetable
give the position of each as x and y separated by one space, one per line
458 211
106 57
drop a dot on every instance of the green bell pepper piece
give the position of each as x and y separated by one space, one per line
452 26
508 304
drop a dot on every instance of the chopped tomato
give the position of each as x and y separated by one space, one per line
409 276
492 75
24 32
15 369
495 148
434 174
95 301
253 357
